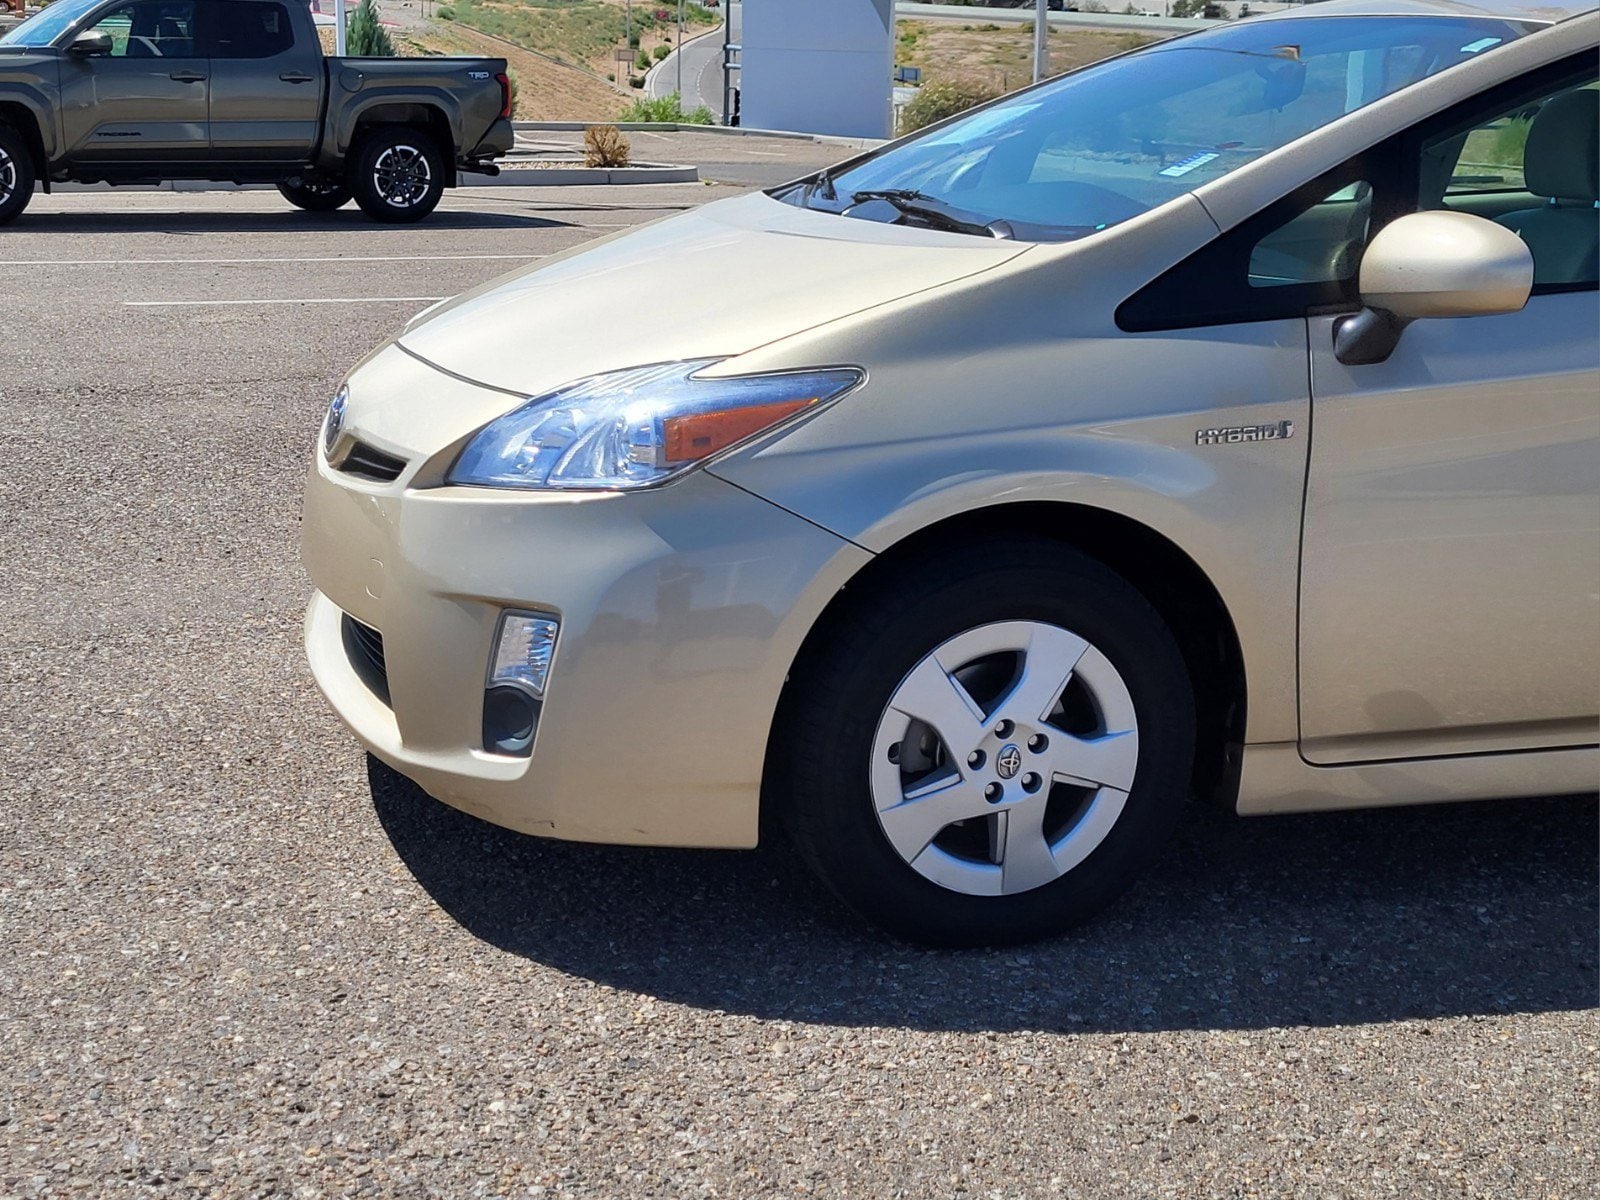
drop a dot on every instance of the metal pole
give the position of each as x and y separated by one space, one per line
680 53
1041 43
727 71
628 37
338 32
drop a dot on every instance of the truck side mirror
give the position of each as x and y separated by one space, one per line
94 43
1432 264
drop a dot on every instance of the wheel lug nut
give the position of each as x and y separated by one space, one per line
993 793
976 759
1031 782
1038 743
1003 729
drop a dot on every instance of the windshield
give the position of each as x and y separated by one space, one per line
1107 143
50 24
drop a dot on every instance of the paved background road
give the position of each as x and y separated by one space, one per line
238 959
702 67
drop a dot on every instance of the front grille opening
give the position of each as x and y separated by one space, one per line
371 463
364 646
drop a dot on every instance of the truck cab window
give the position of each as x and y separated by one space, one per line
150 29
251 29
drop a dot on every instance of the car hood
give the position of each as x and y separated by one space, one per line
718 281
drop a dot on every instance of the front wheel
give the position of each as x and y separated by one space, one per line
16 174
398 175
315 196
990 749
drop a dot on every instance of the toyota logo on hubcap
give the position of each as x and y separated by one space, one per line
1009 762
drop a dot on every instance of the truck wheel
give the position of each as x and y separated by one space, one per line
16 174
315 197
398 175
988 748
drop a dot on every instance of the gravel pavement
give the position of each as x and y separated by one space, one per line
238 959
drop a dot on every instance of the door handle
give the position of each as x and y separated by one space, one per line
187 77
296 77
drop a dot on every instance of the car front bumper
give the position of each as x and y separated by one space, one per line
681 610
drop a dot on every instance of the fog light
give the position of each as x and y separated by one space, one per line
522 651
510 716
518 673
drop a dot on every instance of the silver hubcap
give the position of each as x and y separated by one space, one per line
1004 758
8 176
402 176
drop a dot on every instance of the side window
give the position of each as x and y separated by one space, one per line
251 29
1526 155
1534 167
1323 244
1300 253
150 29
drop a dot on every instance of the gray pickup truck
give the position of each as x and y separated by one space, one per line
143 91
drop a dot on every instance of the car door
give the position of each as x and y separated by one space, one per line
145 101
266 90
1450 580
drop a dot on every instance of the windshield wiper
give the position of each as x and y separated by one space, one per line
935 212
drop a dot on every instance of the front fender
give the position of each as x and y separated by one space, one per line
36 95
1015 386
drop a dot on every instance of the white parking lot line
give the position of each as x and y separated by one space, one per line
307 300
165 262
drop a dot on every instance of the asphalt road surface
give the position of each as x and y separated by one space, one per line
238 959
702 67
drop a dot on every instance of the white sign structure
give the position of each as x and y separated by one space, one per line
822 66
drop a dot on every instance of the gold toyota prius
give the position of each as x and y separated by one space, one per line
1219 420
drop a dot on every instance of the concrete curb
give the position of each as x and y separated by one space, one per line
512 177
594 176
824 139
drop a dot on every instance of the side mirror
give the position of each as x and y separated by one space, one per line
94 43
1432 264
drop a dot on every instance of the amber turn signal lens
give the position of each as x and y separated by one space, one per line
690 438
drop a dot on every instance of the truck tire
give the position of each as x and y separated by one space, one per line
16 174
315 197
397 175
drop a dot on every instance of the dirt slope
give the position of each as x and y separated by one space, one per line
546 91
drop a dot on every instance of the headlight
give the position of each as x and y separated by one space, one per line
635 428
333 423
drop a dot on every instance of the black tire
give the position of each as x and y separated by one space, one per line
16 174
316 197
823 745
397 175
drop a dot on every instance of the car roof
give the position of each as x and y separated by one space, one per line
1548 11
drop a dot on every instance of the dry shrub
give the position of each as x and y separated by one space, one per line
605 146
936 101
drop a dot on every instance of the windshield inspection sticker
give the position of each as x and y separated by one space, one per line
1480 45
1184 165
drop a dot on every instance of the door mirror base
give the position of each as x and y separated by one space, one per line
1367 337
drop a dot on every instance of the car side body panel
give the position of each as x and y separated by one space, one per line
1276 778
